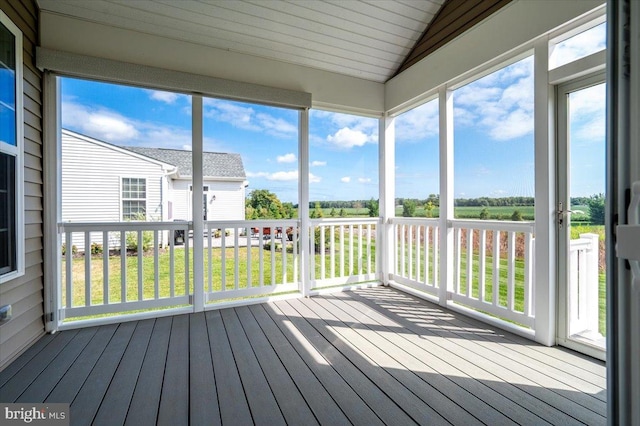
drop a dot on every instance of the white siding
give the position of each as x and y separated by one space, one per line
92 175
228 205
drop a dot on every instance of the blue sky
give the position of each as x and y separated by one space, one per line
493 133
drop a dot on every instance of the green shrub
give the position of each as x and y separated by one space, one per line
516 216
96 248
596 209
74 249
132 241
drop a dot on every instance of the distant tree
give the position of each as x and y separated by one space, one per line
318 211
596 209
374 208
484 213
333 212
343 213
428 208
408 208
516 216
264 204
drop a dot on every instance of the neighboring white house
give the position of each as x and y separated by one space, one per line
102 182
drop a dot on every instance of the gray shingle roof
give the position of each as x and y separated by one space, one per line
214 164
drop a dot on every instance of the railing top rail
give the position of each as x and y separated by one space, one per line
122 226
259 223
345 221
580 244
414 220
493 225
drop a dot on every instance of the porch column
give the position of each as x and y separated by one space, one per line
387 203
544 285
196 201
303 197
445 99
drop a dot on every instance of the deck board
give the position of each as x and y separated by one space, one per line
143 408
371 356
114 406
203 405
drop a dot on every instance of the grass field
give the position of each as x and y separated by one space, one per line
495 213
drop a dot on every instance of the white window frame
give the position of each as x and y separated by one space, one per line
123 199
18 152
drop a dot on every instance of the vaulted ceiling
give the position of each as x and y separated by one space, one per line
369 39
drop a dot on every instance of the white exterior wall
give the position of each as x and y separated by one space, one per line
92 179
228 205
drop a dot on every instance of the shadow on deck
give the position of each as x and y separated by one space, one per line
372 356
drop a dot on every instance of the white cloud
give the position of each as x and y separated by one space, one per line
344 131
418 123
166 97
587 114
364 180
348 138
318 163
580 45
283 176
286 158
500 104
110 126
345 179
247 118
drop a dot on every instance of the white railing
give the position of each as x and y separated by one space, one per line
583 285
417 253
110 274
493 268
268 249
343 251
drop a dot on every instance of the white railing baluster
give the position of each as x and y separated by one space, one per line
369 248
105 267
123 267
186 267
351 265
236 260
294 243
435 258
403 269
342 250
209 257
360 249
427 233
156 265
140 260
410 252
511 268
496 268
249 266
457 259
261 256
272 232
482 273
284 257
469 262
528 273
87 268
322 250
69 268
172 267
223 260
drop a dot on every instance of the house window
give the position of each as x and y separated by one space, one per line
11 208
134 199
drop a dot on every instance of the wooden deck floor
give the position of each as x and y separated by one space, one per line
373 356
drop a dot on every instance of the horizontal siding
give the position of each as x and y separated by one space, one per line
228 205
25 293
91 183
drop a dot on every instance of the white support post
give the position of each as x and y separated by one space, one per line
52 153
197 193
387 204
303 196
446 194
544 287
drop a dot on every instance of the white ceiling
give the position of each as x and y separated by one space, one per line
368 39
